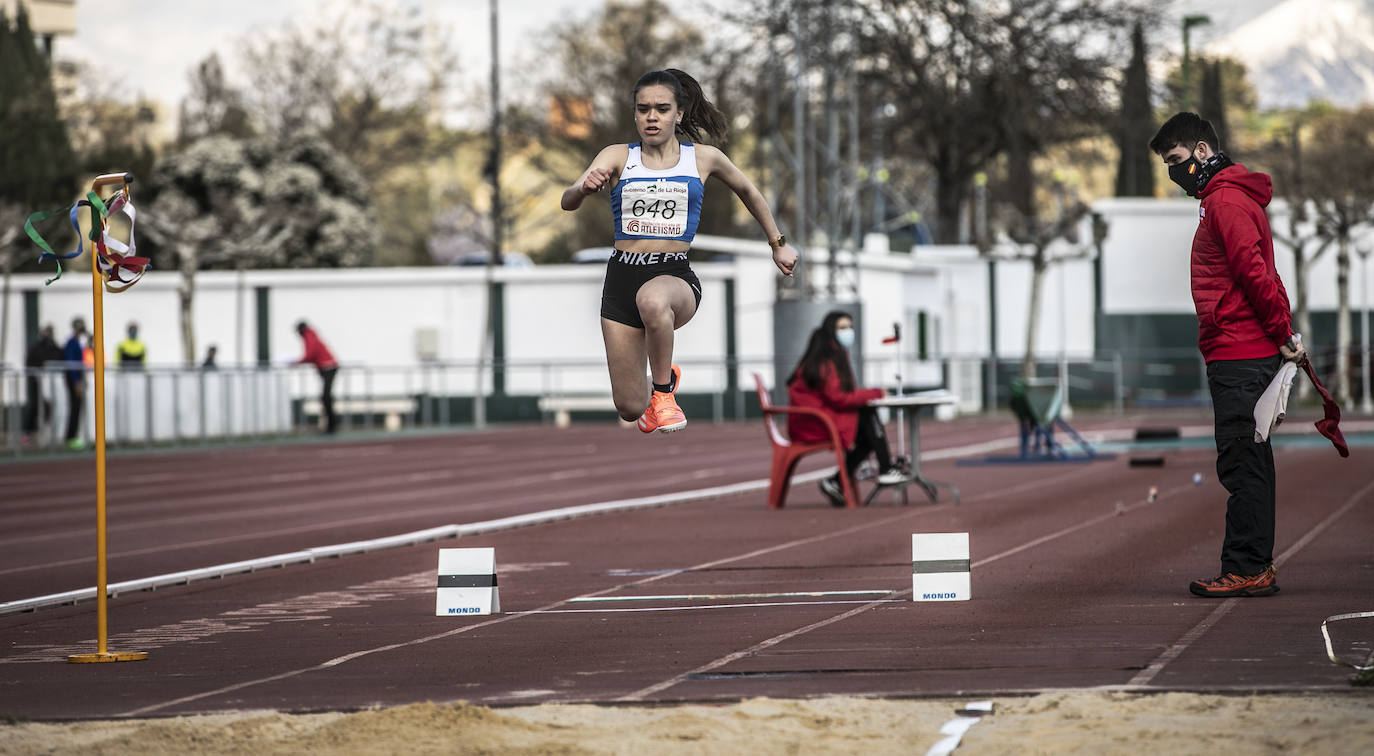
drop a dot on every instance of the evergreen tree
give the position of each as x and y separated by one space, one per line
1135 175
1213 106
39 168
1219 91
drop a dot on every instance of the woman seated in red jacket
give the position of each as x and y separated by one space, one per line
824 380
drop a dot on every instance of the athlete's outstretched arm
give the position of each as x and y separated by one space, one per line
601 172
717 164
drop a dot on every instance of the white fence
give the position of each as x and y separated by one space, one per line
170 407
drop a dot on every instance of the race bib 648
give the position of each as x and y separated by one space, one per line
654 208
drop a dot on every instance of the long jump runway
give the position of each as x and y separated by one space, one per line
1079 578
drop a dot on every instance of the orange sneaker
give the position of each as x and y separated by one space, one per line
1228 585
648 422
662 415
651 421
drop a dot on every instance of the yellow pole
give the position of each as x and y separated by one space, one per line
98 323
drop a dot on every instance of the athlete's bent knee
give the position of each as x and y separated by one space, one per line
629 410
654 310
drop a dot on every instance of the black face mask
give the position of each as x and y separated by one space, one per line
1192 175
1185 175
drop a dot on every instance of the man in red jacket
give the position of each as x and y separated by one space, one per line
317 354
1244 333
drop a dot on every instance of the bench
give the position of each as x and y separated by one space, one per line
390 408
562 407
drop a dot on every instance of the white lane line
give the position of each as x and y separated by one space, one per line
1144 676
325 665
1080 526
966 450
1075 471
718 596
643 581
727 659
609 610
324 496
404 539
508 617
757 647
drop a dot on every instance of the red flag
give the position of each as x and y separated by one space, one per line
1328 426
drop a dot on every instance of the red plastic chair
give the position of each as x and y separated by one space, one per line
786 454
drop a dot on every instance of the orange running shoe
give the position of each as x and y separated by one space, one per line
1231 584
647 422
663 414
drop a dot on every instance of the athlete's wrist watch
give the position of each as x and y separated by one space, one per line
781 241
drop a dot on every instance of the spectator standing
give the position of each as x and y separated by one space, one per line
43 350
74 353
132 353
317 354
1244 334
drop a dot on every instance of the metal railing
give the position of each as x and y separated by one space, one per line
170 406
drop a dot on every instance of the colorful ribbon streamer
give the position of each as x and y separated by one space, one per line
116 261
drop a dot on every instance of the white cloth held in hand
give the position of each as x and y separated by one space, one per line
1273 403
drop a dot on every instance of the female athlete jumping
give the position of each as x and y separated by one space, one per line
650 289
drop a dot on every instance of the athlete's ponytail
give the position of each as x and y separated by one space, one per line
699 116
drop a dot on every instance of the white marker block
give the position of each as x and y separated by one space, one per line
467 582
939 567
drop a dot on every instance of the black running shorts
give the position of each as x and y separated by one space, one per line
627 271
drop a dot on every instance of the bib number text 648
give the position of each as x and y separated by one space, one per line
658 208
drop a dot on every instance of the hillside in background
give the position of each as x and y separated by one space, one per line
1298 51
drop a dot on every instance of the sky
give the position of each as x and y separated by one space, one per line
149 46
1226 15
181 33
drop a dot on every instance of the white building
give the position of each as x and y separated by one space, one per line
49 19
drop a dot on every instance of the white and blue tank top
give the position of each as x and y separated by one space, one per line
658 204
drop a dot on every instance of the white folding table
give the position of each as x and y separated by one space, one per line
910 406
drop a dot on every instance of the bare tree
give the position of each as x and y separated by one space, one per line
373 79
213 106
973 80
1284 159
1043 243
178 226
584 71
1342 156
365 76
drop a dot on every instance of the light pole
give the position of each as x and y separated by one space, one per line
493 335
1188 23
1366 404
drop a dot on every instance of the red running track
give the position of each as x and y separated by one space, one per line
1078 579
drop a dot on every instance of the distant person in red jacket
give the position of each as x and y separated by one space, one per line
1244 333
317 354
824 380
